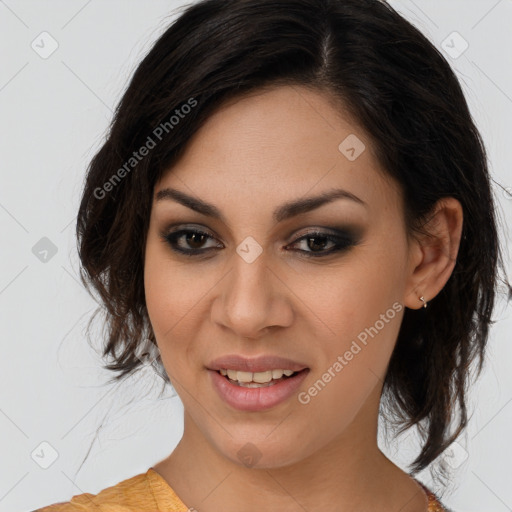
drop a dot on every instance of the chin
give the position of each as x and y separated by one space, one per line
263 454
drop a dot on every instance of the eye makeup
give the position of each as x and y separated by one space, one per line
316 242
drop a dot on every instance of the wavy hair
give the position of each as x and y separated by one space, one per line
386 74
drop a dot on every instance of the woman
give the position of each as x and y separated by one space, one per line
293 206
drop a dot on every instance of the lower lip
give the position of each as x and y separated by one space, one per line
256 399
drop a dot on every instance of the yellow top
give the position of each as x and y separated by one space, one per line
150 492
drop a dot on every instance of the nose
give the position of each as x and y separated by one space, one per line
253 298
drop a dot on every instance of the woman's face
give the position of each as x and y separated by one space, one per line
258 287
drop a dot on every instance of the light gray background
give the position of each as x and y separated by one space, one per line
54 113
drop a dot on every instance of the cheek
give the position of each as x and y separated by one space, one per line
352 296
366 322
176 297
169 298
171 289
360 305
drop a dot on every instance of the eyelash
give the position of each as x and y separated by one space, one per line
342 243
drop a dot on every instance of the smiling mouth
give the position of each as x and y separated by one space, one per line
257 379
240 391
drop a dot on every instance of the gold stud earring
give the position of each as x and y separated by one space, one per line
423 300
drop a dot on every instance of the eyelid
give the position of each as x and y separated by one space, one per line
343 239
180 226
348 230
340 231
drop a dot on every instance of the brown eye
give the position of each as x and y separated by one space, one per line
317 242
189 242
195 240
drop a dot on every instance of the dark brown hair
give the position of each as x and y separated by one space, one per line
405 96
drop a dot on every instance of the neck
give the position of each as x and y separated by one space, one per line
350 472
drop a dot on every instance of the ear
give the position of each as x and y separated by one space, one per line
432 258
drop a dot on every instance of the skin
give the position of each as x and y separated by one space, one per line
254 154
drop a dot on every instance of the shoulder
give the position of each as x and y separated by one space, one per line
131 494
434 503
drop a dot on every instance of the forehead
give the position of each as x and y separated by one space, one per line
280 143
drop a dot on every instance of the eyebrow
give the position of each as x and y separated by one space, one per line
283 212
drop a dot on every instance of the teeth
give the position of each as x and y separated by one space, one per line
262 377
258 377
241 376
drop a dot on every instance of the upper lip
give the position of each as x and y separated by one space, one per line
256 364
